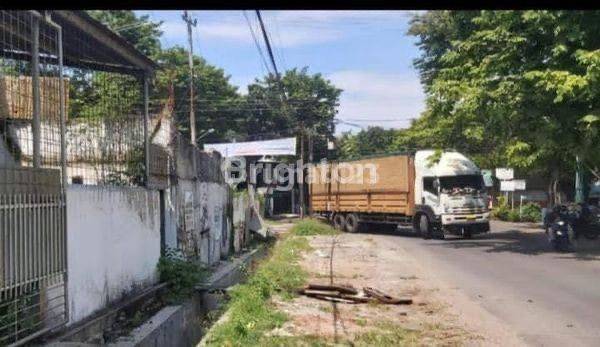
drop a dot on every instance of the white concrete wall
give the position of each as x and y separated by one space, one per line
209 236
113 245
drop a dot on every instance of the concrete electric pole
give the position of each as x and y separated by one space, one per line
191 23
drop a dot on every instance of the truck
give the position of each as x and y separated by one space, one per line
435 192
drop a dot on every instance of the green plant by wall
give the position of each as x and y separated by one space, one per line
531 212
181 274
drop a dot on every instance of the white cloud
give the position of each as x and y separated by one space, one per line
377 99
287 28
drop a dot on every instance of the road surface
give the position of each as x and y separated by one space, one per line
548 298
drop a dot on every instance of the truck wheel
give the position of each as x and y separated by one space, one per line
339 222
424 227
352 223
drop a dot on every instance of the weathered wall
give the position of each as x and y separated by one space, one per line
113 245
198 216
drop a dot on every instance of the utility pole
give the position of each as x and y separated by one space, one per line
301 171
191 23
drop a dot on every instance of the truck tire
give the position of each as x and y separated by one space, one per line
352 223
339 222
424 226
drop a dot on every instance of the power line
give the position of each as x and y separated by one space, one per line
260 51
268 43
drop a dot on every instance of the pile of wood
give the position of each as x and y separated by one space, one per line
16 97
347 294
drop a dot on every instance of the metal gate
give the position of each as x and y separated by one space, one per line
33 263
33 253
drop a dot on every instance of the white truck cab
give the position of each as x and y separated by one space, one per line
451 193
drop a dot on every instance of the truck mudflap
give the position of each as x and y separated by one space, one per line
472 228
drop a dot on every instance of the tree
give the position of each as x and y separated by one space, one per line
373 140
310 103
216 104
516 88
140 31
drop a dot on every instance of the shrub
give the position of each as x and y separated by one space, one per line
513 216
182 276
531 212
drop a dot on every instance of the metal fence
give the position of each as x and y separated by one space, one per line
73 109
32 201
32 253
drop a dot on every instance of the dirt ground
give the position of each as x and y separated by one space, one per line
441 314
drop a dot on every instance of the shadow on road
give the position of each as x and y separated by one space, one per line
528 243
531 242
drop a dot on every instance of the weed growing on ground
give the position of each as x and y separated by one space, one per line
309 227
251 314
388 334
182 276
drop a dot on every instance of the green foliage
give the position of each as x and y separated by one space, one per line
513 215
373 140
516 88
251 315
309 227
21 315
181 275
140 31
311 103
531 212
312 99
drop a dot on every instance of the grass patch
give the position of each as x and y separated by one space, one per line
251 314
310 227
388 334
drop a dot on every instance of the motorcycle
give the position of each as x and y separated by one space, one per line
559 228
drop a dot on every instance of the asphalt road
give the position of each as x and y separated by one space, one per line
549 298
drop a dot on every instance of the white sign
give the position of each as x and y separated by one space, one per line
505 173
286 146
519 184
507 186
487 178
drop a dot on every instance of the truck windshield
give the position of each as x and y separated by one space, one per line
461 183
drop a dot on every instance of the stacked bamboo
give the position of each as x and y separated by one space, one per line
16 98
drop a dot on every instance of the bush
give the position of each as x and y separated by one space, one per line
513 216
531 212
501 213
181 275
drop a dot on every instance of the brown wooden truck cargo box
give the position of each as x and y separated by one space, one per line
392 191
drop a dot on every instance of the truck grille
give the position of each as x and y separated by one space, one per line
465 210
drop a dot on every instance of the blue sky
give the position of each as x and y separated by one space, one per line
366 53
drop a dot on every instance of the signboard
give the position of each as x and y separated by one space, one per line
519 184
487 178
507 186
285 146
505 173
